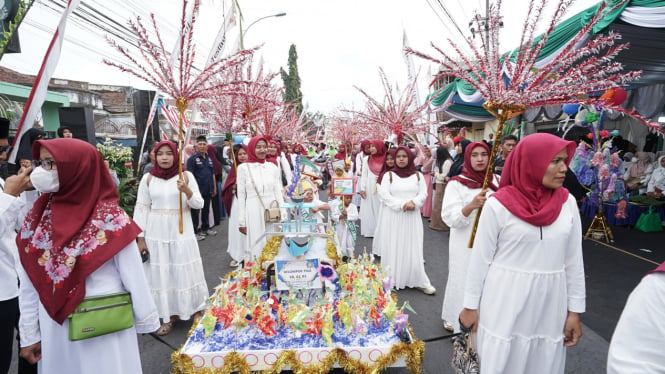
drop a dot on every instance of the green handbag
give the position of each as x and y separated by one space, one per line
649 221
100 315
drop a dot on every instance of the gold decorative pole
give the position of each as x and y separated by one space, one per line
181 104
502 112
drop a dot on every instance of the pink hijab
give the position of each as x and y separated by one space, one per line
521 188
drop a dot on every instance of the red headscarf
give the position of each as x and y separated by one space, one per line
341 155
227 190
522 191
298 149
376 160
251 149
69 234
387 168
270 158
659 269
470 177
173 170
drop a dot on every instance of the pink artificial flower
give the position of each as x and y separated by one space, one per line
604 171
615 160
604 134
598 159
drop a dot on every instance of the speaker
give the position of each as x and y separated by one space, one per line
142 100
80 120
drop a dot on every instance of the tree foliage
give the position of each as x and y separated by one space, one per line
292 93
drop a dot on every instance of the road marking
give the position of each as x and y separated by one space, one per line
626 252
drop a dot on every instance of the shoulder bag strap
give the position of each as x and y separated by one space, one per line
249 171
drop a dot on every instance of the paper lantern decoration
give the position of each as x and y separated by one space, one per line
579 118
614 96
570 109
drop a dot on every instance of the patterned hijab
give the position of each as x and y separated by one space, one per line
91 228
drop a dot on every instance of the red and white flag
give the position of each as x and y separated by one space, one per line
39 88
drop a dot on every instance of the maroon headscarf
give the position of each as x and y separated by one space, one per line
386 168
251 149
363 144
521 188
470 177
227 190
410 168
69 234
216 166
173 170
376 160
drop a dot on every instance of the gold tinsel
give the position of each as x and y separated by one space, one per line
270 249
413 354
331 250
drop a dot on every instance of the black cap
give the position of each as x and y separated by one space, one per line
4 128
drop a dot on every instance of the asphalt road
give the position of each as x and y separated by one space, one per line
612 271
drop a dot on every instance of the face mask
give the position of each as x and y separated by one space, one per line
45 180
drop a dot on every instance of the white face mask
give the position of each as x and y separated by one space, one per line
45 180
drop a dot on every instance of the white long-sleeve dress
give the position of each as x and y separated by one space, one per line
268 182
457 196
402 254
237 246
346 241
175 270
638 340
113 353
524 279
379 237
369 208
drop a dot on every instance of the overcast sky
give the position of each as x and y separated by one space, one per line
339 43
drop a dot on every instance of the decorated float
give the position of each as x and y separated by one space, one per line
299 307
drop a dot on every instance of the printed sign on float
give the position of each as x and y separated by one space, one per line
298 274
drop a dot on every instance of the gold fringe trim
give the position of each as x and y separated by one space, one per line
235 362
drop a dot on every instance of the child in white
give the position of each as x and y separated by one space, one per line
344 214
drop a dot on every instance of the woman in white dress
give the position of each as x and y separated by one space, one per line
388 165
403 191
258 184
371 169
174 270
656 186
525 286
638 340
236 240
440 169
68 256
463 197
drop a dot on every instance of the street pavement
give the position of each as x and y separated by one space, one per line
612 271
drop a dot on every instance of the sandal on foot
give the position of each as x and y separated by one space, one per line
233 263
197 316
165 328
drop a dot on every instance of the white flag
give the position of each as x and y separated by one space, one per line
40 87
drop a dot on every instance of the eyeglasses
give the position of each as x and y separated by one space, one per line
46 164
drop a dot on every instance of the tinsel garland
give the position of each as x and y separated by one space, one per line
271 249
235 362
